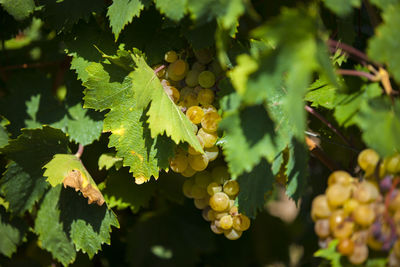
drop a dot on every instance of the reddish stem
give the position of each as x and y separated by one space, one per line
358 73
327 123
389 195
78 153
159 68
349 49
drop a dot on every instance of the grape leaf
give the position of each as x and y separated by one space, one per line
382 4
380 125
62 15
121 12
297 170
3 132
321 93
379 262
121 192
164 115
23 183
383 46
342 7
174 10
330 254
12 232
65 223
109 87
69 170
19 9
253 187
107 160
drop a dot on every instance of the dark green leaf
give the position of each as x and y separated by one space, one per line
330 254
12 232
19 9
342 7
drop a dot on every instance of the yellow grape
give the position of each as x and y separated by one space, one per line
205 96
213 188
219 215
359 255
321 228
210 121
211 152
198 162
209 108
203 179
364 215
337 217
204 55
226 222
337 194
208 138
241 222
190 100
170 56
320 207
220 174
396 248
231 188
232 234
367 160
185 91
343 230
172 93
349 206
188 172
393 164
234 210
192 78
201 203
195 114
206 79
340 177
187 188
161 72
219 201
346 247
179 163
198 192
192 151
215 228
211 214
178 68
366 192
204 214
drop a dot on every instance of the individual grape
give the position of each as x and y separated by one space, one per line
366 192
231 188
209 108
364 215
320 207
232 234
219 215
215 228
340 177
179 163
204 214
204 55
198 192
185 91
219 201
393 164
368 159
343 230
211 214
170 56
346 247
208 138
187 188
336 218
233 210
188 172
359 255
198 162
178 68
210 121
201 203
349 206
205 96
203 179
373 243
206 79
212 153
192 78
220 174
195 114
193 151
226 222
190 100
241 222
213 188
321 228
197 66
360 237
172 93
231 204
337 194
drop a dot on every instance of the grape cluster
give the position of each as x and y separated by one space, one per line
363 214
215 194
193 90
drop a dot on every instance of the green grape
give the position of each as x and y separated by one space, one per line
232 234
205 212
187 188
340 177
367 160
177 71
321 228
185 91
319 208
204 55
211 152
359 255
192 78
208 138
241 222
215 228
213 188
210 121
198 162
190 100
197 66
337 194
195 114
203 179
215 68
231 188
205 96
179 163
198 192
350 205
346 247
170 56
226 222
206 79
191 150
220 174
364 215
392 164
219 201
201 203
188 172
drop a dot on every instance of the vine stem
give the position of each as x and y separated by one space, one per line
349 49
327 123
78 153
358 73
159 68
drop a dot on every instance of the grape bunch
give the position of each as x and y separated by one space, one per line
193 90
363 214
214 193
